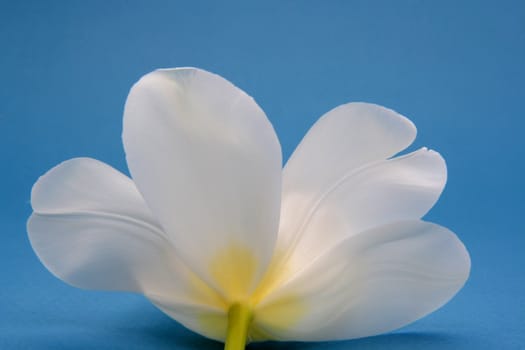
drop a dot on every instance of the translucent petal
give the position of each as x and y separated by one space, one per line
343 140
92 229
385 191
207 321
370 283
208 163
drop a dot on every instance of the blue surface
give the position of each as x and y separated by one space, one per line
455 68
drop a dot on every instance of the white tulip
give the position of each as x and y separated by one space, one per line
217 235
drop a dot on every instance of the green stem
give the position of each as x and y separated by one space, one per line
239 320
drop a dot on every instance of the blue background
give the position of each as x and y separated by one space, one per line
455 68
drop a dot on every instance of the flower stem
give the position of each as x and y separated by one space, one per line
239 320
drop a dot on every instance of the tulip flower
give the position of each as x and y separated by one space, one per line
219 236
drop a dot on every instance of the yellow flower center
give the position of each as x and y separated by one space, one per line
233 270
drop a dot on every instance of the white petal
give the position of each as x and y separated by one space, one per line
401 188
88 185
371 283
208 163
343 140
92 229
207 321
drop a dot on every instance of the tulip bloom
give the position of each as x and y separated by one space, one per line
216 234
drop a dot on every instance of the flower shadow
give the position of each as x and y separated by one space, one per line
392 341
140 327
171 335
165 333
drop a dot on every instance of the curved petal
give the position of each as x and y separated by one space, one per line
208 163
92 229
207 321
402 188
343 140
370 283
